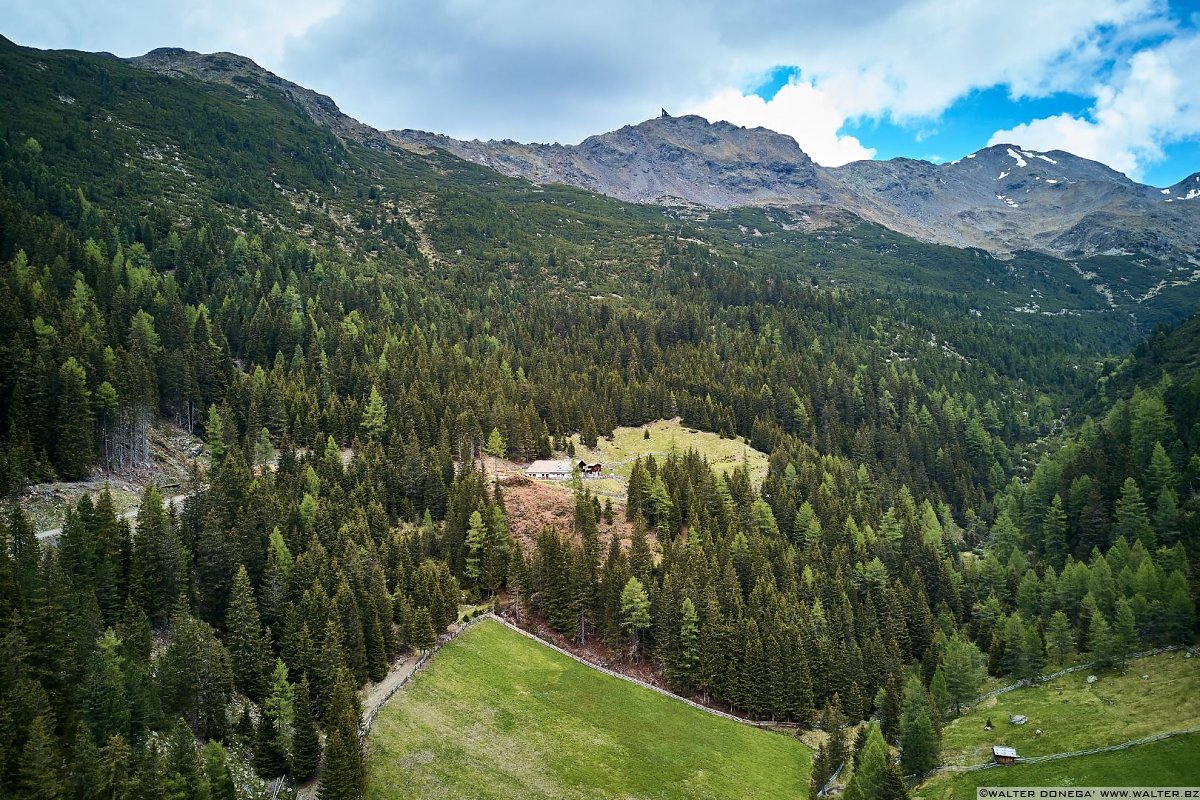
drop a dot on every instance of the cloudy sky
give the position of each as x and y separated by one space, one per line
1113 80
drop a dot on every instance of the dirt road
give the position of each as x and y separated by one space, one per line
177 501
376 695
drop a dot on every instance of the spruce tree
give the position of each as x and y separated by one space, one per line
685 656
821 772
244 637
41 766
306 743
920 739
343 776
107 710
270 753
421 635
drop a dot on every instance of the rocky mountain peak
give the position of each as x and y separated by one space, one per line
247 76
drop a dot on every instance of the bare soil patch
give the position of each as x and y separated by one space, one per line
535 505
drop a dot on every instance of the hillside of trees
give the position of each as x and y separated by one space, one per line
934 507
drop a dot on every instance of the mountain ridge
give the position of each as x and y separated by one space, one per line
1002 198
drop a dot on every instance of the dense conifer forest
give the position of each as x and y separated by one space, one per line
949 494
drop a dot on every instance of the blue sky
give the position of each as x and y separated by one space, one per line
1112 80
972 119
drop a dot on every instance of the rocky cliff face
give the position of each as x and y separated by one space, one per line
664 160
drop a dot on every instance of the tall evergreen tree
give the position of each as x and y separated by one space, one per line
870 767
920 740
244 637
41 766
306 742
1124 632
1131 519
964 668
1059 637
421 634
1100 640
343 775
635 612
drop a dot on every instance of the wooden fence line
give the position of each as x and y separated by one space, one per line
1069 670
1072 754
643 684
372 713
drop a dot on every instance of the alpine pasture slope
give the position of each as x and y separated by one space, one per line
497 716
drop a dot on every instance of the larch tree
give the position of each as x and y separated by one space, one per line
477 537
1131 519
870 768
964 666
374 418
635 612
1059 638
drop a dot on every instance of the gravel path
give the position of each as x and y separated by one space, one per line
376 695
177 501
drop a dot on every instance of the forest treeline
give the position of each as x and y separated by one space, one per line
246 276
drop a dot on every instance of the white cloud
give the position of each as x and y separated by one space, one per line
259 29
800 110
1153 101
545 70
912 61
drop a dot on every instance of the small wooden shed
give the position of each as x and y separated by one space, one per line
1004 755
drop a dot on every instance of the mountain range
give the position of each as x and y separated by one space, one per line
1003 198
1134 249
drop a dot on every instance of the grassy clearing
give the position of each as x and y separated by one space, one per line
629 443
1074 715
498 716
1171 762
